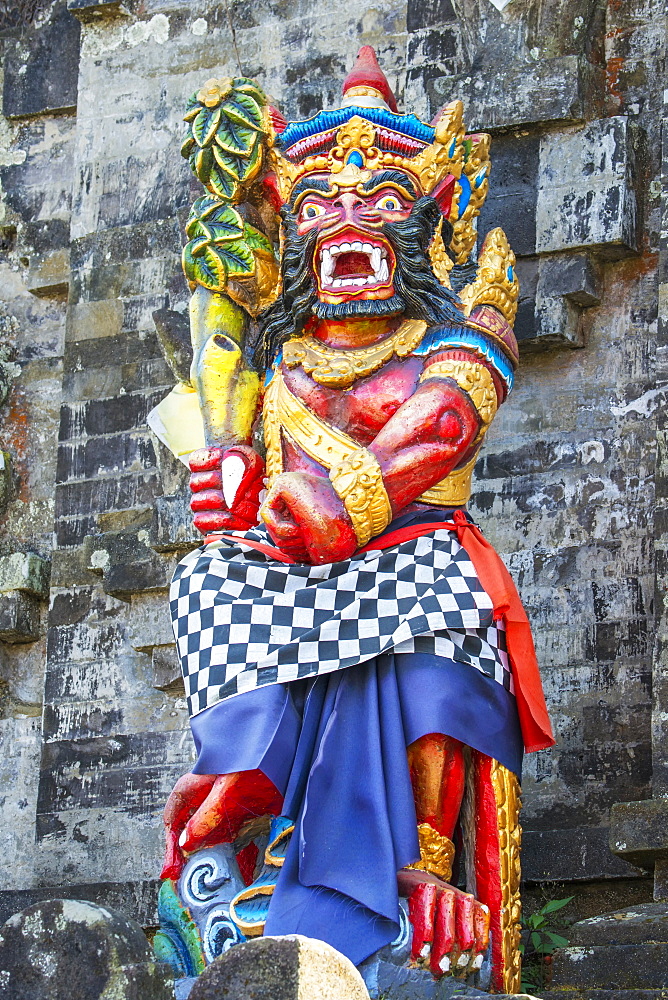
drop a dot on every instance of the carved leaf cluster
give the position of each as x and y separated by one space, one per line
223 142
220 245
224 146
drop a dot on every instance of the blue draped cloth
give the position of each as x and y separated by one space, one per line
335 746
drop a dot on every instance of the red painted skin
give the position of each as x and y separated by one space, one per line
418 432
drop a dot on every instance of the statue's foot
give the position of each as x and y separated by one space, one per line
450 927
249 908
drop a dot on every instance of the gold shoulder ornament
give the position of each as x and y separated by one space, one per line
496 282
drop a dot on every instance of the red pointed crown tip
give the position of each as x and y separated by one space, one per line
367 73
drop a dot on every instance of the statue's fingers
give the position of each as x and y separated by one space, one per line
207 500
211 480
421 912
481 926
205 459
464 926
208 817
444 932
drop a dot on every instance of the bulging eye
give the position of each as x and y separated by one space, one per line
310 210
389 203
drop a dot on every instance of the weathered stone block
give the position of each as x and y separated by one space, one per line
648 922
41 71
5 479
172 529
25 571
89 10
623 967
166 668
93 320
585 191
285 968
551 303
574 277
19 617
66 948
126 561
49 273
551 90
513 190
564 855
639 831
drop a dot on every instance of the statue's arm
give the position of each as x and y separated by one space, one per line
425 439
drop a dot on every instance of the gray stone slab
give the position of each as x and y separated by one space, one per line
551 90
19 617
563 855
620 967
41 69
637 925
25 571
585 194
639 831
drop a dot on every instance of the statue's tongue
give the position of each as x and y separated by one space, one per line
352 265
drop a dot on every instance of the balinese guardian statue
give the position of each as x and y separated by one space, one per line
358 666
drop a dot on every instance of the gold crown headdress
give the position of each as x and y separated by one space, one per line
367 134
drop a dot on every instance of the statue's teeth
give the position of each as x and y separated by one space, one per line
375 258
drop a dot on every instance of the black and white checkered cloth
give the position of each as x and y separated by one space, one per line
242 620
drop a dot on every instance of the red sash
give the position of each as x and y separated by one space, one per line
498 583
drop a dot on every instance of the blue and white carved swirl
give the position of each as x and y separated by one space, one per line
219 933
203 877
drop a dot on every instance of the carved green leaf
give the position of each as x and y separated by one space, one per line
250 87
235 138
222 185
187 146
193 108
205 125
257 240
207 268
242 108
214 221
238 258
197 244
232 165
203 162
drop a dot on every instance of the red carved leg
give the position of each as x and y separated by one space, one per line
450 927
497 866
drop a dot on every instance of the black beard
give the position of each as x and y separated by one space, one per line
417 292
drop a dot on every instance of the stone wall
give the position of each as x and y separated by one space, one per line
94 194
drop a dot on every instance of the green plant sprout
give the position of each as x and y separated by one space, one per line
539 941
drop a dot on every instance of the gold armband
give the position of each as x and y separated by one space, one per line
475 379
437 852
358 482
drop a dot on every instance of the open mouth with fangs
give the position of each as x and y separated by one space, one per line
350 265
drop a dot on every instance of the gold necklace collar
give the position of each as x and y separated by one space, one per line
339 368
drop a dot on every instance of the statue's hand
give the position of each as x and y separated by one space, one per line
450 927
307 520
226 485
207 809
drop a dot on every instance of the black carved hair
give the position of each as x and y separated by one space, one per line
418 293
